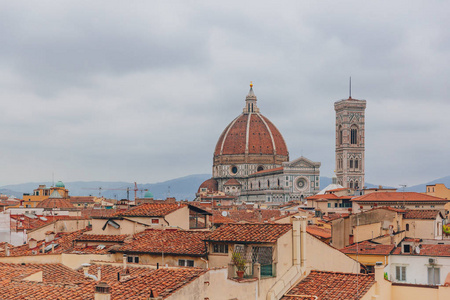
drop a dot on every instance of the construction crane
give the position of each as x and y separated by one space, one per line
128 189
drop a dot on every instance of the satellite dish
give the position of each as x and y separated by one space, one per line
224 213
417 250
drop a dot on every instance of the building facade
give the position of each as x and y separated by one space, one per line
350 140
251 162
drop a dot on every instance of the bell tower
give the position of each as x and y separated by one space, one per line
350 140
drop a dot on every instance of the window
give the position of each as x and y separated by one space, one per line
406 248
407 227
329 204
133 259
434 275
351 184
260 168
356 164
335 205
400 273
185 263
351 163
353 135
220 248
340 135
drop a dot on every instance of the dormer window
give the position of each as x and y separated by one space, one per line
406 248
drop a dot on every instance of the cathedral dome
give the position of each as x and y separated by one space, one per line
251 135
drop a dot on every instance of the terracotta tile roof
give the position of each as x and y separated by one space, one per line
60 203
331 286
331 217
398 196
232 181
176 242
102 238
426 250
151 210
322 196
81 199
319 231
98 212
21 222
255 215
60 282
423 214
249 233
368 248
336 190
219 219
211 185
65 243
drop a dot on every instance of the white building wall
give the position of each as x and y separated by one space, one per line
417 267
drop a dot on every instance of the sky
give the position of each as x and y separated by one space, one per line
141 90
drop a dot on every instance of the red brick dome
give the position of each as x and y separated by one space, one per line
251 133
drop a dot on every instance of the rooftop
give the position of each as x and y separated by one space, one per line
176 242
249 233
422 214
151 210
398 197
321 285
368 248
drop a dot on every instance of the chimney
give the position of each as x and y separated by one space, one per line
99 273
296 256
125 261
102 291
32 243
6 250
49 236
379 276
303 242
86 272
153 295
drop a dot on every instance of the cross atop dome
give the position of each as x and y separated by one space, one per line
250 101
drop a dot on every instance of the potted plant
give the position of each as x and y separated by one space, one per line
239 262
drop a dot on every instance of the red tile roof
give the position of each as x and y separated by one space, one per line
368 248
60 282
55 203
322 196
151 210
426 250
249 233
319 231
331 286
81 199
175 242
255 215
211 185
398 197
423 214
102 238
232 181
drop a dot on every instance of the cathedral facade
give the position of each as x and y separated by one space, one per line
251 162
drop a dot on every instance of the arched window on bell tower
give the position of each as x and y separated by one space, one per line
351 184
353 135
340 135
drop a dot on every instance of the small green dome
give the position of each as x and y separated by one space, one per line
148 194
60 184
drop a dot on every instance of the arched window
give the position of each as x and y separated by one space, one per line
249 107
252 107
340 135
278 182
351 184
268 183
351 163
354 135
356 185
356 164
259 184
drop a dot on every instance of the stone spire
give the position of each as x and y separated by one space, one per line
250 102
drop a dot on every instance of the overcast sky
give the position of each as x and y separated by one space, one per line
141 90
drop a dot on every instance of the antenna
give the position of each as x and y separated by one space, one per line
350 89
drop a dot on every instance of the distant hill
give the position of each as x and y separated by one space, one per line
421 188
180 188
